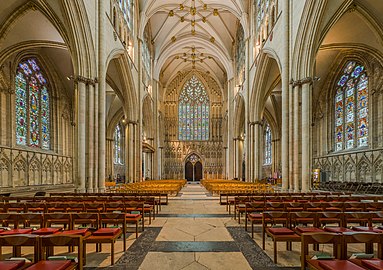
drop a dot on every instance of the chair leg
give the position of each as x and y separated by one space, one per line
252 230
137 229
275 251
112 253
263 239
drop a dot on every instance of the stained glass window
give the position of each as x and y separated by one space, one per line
351 107
126 8
268 145
32 106
117 145
193 112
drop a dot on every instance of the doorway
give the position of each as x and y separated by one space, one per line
193 169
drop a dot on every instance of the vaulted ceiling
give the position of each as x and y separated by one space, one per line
189 34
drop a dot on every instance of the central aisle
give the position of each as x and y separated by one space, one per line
194 235
194 232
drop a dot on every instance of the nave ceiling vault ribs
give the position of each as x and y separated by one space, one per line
211 25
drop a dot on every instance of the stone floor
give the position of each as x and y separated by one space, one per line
195 232
192 232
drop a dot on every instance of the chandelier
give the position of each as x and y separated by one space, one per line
193 14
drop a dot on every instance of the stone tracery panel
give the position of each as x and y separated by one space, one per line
175 151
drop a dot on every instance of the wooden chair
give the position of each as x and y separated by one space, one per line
325 218
254 214
35 220
109 235
363 221
62 220
21 240
367 238
315 239
304 222
284 234
71 241
134 214
13 222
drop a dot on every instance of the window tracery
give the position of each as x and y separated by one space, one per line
268 146
117 145
193 112
32 105
351 107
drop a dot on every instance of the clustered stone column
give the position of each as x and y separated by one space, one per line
285 96
85 134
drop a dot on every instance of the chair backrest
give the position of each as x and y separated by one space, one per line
75 206
327 217
297 218
89 219
35 207
55 240
64 219
113 218
20 240
275 217
15 207
320 238
9 219
134 206
114 206
358 217
295 206
94 207
275 206
362 237
32 219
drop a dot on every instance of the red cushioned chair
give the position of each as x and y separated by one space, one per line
134 214
109 235
71 241
280 234
325 218
254 214
304 222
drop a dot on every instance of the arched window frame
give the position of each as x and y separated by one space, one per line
193 118
351 98
32 89
268 145
117 145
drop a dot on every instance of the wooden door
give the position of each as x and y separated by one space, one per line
198 171
189 171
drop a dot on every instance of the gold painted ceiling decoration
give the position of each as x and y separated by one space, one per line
193 14
193 56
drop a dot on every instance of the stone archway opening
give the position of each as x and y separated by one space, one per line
193 168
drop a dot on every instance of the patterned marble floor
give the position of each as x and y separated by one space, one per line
194 232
